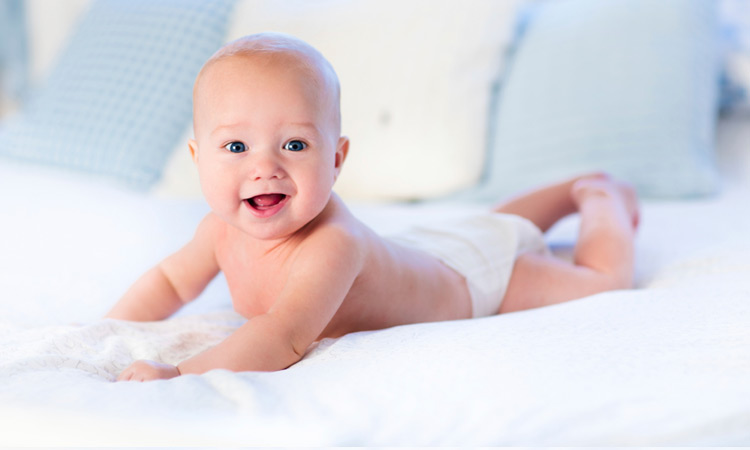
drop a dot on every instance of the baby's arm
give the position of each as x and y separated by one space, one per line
321 276
161 291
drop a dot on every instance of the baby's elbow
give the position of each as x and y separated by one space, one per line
286 349
294 359
295 351
282 358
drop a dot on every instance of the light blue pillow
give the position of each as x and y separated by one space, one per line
13 50
626 86
120 96
734 20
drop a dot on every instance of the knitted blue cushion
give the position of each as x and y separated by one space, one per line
627 86
13 50
121 94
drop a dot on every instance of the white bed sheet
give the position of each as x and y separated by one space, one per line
665 364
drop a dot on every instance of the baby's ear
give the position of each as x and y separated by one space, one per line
342 149
193 149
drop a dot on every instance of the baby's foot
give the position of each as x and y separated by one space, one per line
602 184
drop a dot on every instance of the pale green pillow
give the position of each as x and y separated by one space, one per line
626 86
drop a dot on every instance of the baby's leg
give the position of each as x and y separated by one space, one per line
546 205
603 255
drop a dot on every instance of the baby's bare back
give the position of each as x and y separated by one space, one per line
400 285
395 285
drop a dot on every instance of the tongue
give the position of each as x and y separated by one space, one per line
266 200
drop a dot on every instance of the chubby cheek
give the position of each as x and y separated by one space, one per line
218 189
318 180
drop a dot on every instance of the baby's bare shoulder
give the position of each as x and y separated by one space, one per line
210 229
209 225
338 235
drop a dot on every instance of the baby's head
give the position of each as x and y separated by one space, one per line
267 125
276 51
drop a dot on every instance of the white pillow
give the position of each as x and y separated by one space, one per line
416 78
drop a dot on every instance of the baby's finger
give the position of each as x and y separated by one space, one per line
126 375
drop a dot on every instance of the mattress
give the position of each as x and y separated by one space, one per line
666 363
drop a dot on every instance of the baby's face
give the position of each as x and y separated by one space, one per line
267 145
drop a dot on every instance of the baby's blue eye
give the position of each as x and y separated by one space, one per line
295 146
236 147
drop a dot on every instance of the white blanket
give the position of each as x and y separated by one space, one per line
665 364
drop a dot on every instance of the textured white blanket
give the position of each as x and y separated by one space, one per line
667 363
657 366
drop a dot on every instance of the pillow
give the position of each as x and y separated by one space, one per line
50 26
626 86
416 78
120 95
13 62
735 33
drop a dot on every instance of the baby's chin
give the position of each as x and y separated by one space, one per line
280 227
265 231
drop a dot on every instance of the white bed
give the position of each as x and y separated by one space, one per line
666 363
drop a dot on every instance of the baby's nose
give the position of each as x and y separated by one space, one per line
265 167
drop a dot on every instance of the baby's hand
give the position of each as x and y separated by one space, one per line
143 370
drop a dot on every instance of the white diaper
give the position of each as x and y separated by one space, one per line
483 248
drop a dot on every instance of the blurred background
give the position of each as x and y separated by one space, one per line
442 99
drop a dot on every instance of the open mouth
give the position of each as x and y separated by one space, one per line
266 204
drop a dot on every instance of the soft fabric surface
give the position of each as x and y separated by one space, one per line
628 86
120 95
665 364
14 65
735 34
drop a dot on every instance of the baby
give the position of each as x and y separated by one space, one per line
301 267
